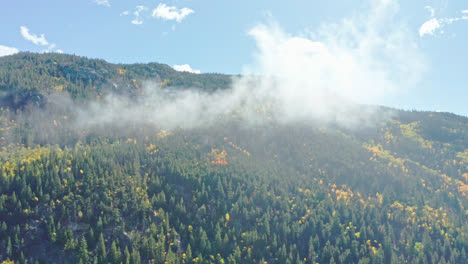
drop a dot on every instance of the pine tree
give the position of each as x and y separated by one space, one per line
22 260
218 239
3 227
115 253
9 248
188 254
160 249
204 242
91 238
51 229
311 252
102 255
135 257
388 250
171 257
83 254
99 225
126 256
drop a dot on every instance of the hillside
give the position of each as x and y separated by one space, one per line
26 77
395 191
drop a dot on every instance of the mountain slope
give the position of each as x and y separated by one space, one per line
392 192
26 76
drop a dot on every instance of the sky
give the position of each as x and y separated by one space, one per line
418 47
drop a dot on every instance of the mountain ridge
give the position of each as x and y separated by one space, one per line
78 76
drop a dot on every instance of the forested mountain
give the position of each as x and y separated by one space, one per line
395 191
28 77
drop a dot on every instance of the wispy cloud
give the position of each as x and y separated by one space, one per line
431 10
102 2
138 20
435 26
364 58
5 51
165 12
37 40
185 68
162 11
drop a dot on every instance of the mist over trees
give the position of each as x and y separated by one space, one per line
391 190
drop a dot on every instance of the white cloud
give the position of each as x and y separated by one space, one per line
138 20
5 51
429 27
431 10
125 13
102 2
37 40
185 68
59 51
435 25
171 12
365 58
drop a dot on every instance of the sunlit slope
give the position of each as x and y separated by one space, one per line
27 77
257 190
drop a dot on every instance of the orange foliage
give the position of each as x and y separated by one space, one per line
245 152
163 134
218 157
135 83
152 149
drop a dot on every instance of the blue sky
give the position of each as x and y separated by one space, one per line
212 36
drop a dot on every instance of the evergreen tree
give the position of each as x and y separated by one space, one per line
9 248
135 257
115 254
83 254
102 253
188 254
127 258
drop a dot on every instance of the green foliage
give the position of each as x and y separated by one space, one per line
25 78
392 193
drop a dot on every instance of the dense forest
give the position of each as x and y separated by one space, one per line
392 192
